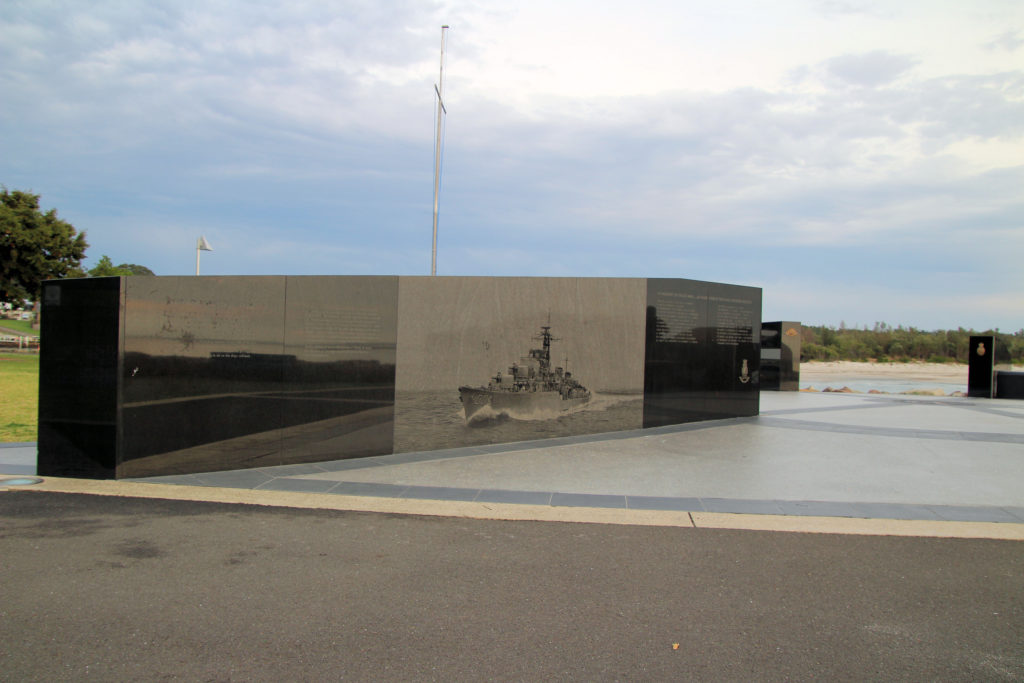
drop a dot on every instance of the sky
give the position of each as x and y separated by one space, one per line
861 161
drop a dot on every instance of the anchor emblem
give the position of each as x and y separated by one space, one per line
745 372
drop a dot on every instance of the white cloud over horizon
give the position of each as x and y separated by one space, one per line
868 150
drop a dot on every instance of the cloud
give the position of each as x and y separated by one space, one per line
1009 41
871 69
730 142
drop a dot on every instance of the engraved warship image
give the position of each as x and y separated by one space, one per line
532 389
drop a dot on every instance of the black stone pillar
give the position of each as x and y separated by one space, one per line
780 356
981 355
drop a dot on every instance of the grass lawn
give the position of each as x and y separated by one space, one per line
22 327
19 396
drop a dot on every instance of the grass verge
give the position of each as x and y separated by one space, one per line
22 327
19 396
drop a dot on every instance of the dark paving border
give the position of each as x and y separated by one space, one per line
901 432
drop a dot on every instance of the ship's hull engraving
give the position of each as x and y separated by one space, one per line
532 389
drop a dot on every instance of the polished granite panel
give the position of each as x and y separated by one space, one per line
207 374
203 370
702 351
340 390
1009 384
78 376
225 373
780 356
980 366
465 332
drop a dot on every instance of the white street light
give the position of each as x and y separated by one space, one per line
201 245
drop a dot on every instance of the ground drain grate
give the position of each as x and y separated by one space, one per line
19 481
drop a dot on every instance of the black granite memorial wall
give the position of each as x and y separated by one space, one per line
144 376
702 352
78 378
980 366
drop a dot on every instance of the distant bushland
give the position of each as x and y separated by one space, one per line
885 343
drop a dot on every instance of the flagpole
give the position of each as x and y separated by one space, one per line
441 111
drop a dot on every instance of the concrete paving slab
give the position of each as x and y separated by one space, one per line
17 458
807 455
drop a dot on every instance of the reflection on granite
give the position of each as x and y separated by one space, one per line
78 376
702 351
780 356
176 375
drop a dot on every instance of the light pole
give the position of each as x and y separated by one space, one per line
201 245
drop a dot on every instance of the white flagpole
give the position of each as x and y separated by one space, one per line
441 111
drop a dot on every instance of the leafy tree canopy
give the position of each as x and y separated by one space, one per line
136 269
34 246
106 268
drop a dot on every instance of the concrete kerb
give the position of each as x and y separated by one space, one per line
541 513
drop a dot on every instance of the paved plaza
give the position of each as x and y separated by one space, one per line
807 454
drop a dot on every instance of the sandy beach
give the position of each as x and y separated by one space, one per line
932 378
934 372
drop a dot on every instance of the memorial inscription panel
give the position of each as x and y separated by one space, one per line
702 352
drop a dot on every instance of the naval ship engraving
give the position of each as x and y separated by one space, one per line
530 390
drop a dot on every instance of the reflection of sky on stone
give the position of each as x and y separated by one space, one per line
195 316
457 331
327 318
342 318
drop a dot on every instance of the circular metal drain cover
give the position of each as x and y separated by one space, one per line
19 481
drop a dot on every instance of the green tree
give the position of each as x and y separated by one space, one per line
106 268
135 269
34 246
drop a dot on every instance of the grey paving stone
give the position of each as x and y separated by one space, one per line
1017 512
239 479
17 469
301 485
663 503
587 500
356 488
350 464
292 470
515 497
440 493
817 508
739 506
822 409
893 511
994 438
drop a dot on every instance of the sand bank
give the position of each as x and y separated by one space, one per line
935 379
928 372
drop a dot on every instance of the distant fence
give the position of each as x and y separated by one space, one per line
14 341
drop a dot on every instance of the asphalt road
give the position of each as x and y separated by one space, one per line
103 588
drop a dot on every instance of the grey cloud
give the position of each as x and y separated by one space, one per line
750 162
1009 41
870 69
